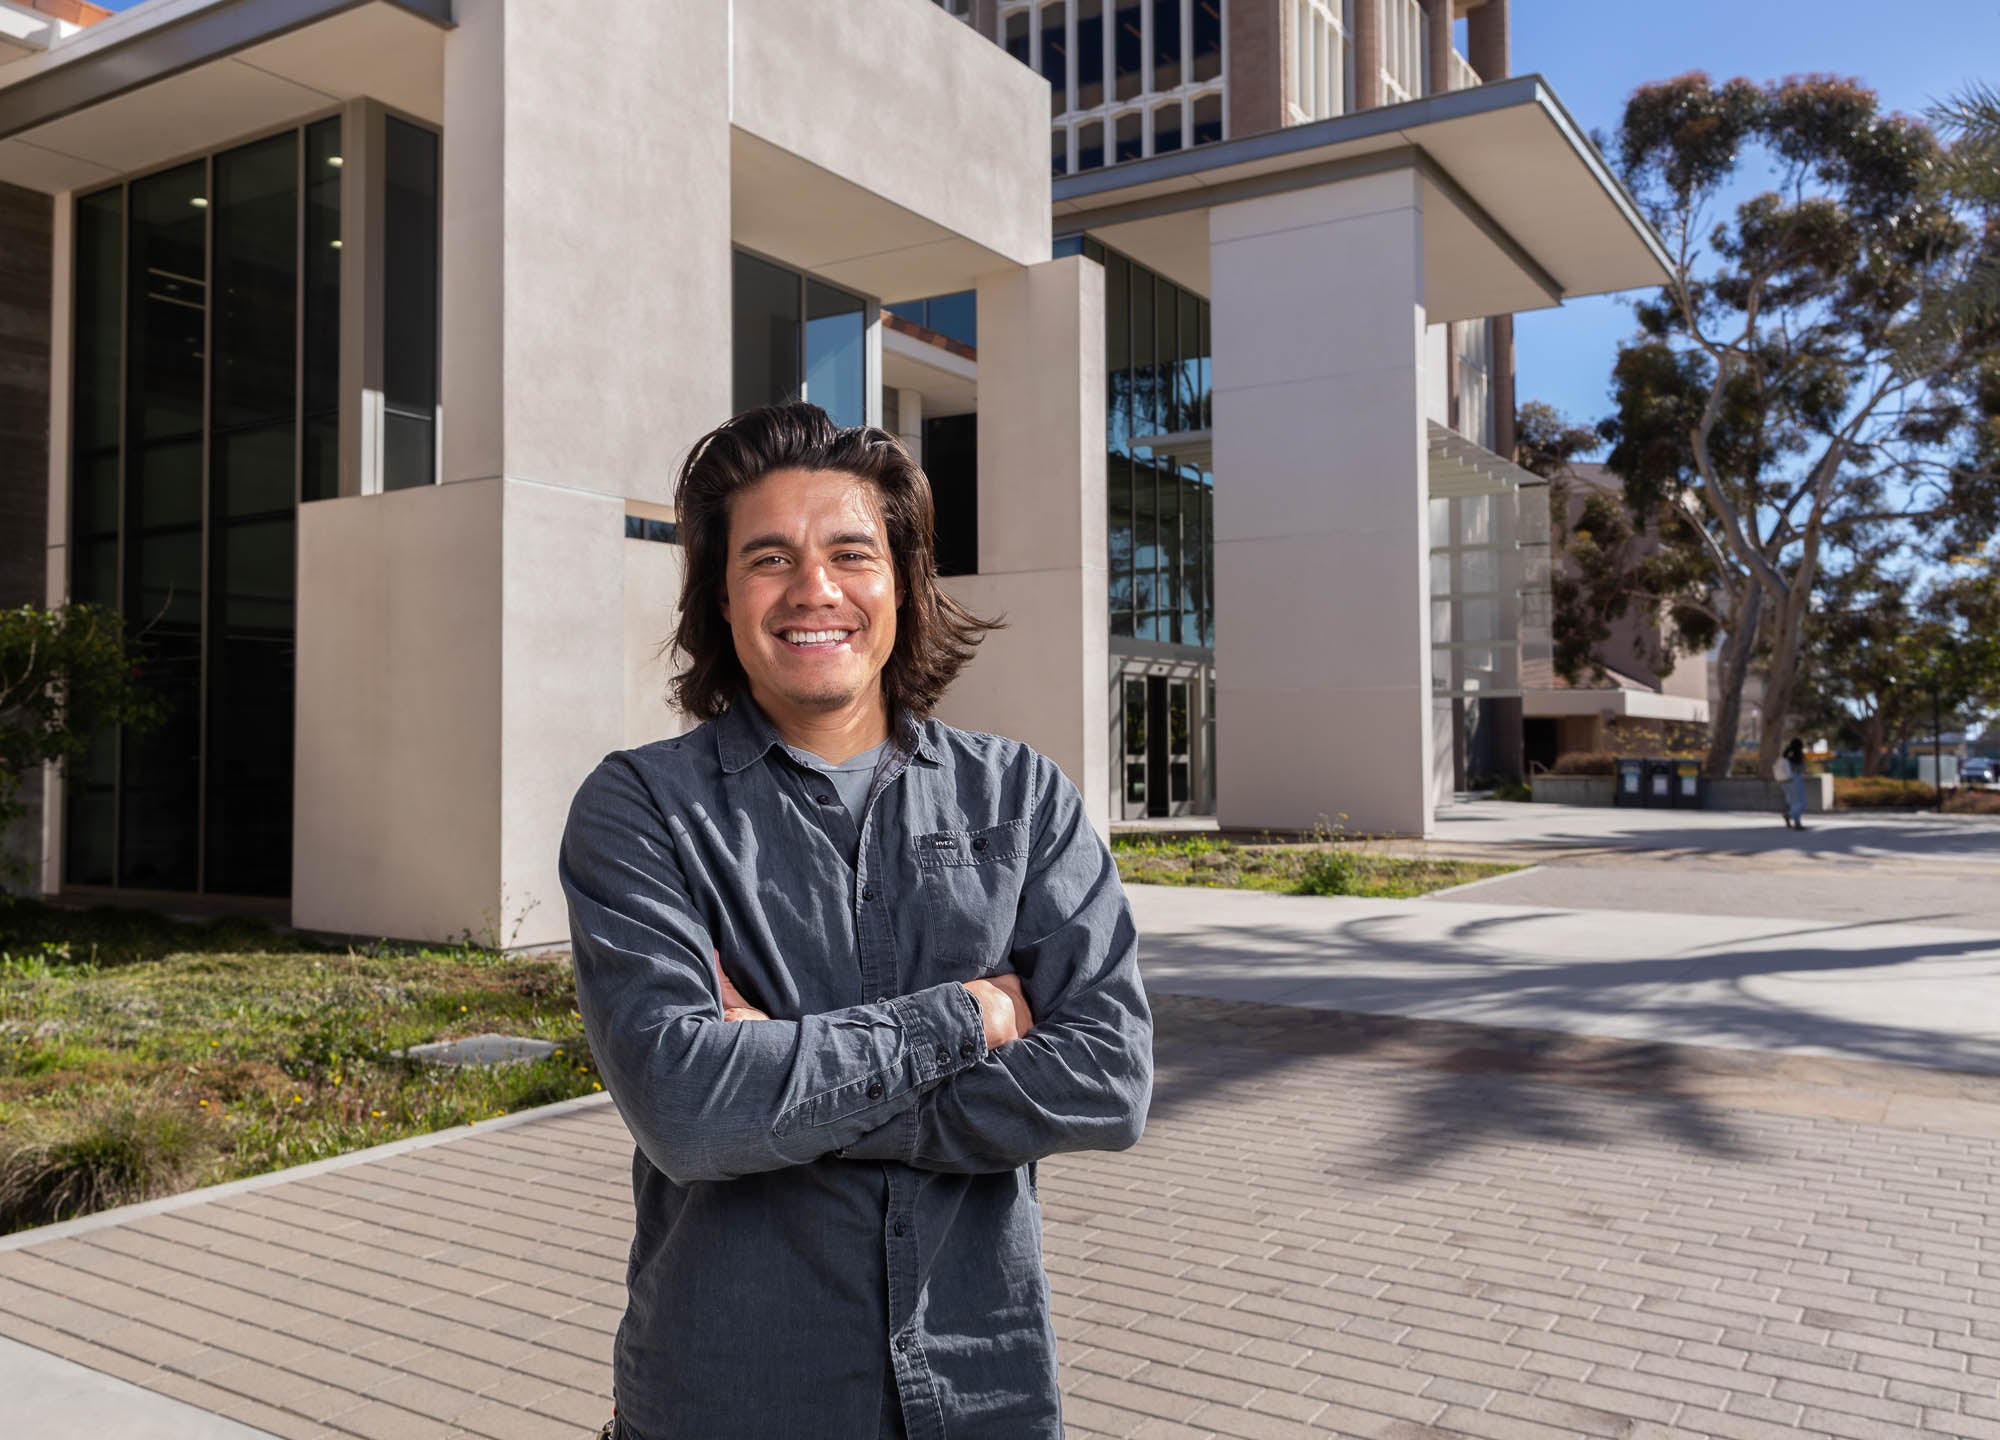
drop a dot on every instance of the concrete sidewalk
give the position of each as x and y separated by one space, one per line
1973 839
1915 995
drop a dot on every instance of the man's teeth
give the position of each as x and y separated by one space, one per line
815 637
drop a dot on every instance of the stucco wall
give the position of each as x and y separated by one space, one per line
651 606
1042 560
586 242
905 101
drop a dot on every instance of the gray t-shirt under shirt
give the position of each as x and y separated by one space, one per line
851 777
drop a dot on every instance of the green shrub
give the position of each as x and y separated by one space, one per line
105 1153
1513 790
1330 872
1586 762
1972 802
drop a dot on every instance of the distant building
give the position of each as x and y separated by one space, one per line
355 344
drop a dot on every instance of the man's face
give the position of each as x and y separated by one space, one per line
811 593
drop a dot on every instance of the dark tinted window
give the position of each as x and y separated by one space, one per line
410 307
951 460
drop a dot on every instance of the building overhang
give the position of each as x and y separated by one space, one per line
1520 210
1613 704
176 77
1461 467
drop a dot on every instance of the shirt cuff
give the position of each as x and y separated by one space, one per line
943 1030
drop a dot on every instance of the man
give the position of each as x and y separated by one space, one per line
848 973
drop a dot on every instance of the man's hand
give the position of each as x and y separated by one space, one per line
734 1006
1003 1009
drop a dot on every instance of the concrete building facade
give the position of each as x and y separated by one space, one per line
369 354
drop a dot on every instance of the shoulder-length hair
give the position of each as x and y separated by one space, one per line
935 635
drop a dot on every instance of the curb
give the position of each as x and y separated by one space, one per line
167 1204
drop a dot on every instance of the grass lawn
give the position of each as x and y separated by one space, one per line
140 1056
1310 868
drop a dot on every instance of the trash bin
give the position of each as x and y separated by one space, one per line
1631 782
1660 784
1688 788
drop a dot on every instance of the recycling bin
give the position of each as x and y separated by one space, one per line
1660 784
1690 791
1631 789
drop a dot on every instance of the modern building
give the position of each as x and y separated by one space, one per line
352 357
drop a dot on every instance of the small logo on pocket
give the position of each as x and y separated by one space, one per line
944 842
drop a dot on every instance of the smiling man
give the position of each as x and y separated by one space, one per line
848 973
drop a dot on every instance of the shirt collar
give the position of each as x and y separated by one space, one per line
744 734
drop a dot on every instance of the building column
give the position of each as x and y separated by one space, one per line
462 647
1437 16
1322 574
1367 54
1042 566
910 422
1489 42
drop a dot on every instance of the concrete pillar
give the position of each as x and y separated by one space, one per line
26 285
1322 547
1367 54
1042 560
463 648
1504 439
1437 18
1488 41
910 421
1257 69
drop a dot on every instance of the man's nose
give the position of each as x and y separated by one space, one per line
814 584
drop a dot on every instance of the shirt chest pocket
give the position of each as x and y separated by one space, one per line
971 883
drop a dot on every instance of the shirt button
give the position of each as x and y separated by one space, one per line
979 843
875 1090
900 1227
967 1050
944 1055
868 894
903 1344
824 799
881 999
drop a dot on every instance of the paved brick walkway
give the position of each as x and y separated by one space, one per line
1335 1225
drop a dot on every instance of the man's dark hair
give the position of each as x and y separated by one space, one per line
935 635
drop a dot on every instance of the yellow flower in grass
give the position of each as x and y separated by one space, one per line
376 1113
203 1104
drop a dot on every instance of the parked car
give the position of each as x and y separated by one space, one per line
1980 770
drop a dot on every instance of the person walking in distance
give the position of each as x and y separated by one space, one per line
848 972
1793 762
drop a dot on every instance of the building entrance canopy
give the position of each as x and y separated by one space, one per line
1520 210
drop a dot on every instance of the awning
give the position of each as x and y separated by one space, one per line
1521 212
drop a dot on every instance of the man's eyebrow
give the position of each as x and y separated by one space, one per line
773 541
854 537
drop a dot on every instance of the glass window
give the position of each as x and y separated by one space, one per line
1145 415
1166 44
1055 57
1128 50
765 333
90 786
1168 594
1118 533
1016 36
1207 119
1090 145
1207 62
1089 57
1128 138
836 353
410 307
951 461
167 308
319 478
1187 367
955 316
1059 152
1167 129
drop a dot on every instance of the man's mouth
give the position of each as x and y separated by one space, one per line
813 639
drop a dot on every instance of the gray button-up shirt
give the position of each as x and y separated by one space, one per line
837 1214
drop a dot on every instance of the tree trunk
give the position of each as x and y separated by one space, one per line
1736 656
1781 680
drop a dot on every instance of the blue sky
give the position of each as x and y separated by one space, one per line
1596 52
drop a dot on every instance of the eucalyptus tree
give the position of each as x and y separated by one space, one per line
1814 376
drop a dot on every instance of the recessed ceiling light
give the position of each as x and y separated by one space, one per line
335 161
334 243
200 202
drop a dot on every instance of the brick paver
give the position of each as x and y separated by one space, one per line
1335 1225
